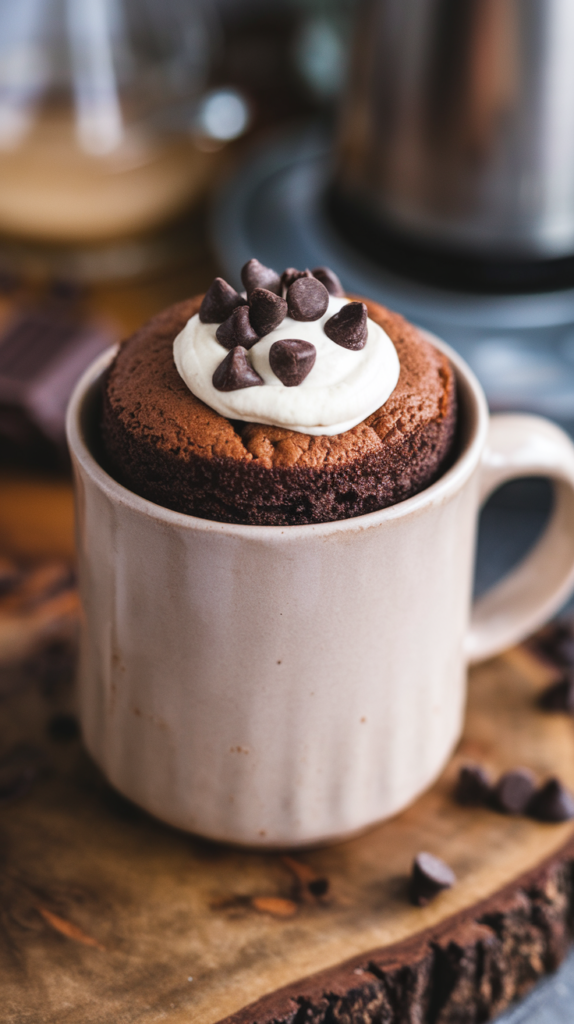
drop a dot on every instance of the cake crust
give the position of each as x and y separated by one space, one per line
168 446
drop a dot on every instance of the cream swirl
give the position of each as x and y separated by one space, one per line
342 389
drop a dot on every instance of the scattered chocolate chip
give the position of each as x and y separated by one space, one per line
430 875
266 310
513 791
552 802
563 650
473 786
9 281
219 302
19 769
66 290
348 327
291 359
255 275
237 330
307 299
53 666
559 696
556 643
63 728
327 277
10 575
235 372
292 274
318 886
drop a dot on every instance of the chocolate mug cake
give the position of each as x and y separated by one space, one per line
289 686
289 404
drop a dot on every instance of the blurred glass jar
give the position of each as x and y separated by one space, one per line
105 125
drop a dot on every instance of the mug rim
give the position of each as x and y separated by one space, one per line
436 493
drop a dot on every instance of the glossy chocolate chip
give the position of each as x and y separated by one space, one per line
235 372
430 875
559 696
291 360
318 886
255 275
219 302
326 276
237 330
348 327
473 786
513 791
552 802
307 299
63 728
266 311
19 769
292 274
556 643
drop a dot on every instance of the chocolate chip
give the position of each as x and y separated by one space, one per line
219 302
266 310
473 786
563 650
559 696
291 360
348 327
235 372
430 875
237 330
63 728
19 769
556 642
513 791
326 276
318 886
307 299
292 274
255 275
552 802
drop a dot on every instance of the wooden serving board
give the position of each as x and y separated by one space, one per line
109 917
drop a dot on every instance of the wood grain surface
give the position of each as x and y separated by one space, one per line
107 914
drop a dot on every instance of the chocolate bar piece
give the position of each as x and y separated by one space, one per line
43 351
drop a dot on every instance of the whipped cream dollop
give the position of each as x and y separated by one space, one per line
342 389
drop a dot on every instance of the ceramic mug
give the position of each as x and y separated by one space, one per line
283 686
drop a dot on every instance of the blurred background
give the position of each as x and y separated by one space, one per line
424 149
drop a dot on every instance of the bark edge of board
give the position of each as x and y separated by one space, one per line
464 970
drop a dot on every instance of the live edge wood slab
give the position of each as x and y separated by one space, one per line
109 917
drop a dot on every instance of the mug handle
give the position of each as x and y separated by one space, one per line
520 446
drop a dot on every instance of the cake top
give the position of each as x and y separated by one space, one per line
300 355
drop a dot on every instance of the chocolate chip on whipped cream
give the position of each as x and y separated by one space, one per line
321 366
292 274
267 310
235 372
307 299
255 275
348 327
237 330
291 360
219 302
327 277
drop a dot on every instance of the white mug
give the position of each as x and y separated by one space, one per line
282 686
